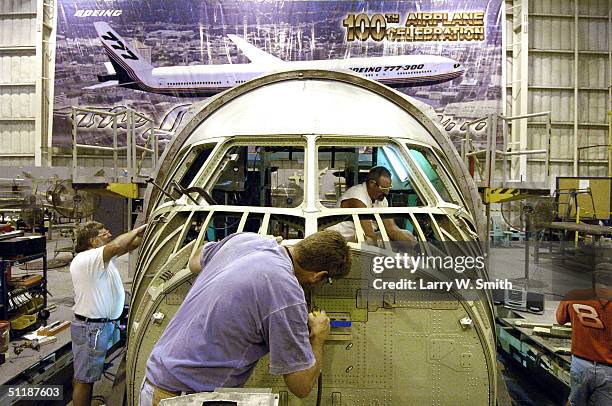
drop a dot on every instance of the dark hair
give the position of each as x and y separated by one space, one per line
324 251
85 233
377 172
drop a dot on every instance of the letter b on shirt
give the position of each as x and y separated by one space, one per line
588 316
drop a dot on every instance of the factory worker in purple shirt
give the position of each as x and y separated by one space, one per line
247 301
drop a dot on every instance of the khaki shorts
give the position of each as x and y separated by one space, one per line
151 395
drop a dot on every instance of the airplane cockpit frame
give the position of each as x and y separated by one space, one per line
273 156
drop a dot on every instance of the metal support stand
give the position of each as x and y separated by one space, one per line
487 177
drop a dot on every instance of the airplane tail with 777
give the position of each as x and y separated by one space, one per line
127 68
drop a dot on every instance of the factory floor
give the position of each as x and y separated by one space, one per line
506 262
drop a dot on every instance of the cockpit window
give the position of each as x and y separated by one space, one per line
262 176
191 162
343 167
435 173
203 152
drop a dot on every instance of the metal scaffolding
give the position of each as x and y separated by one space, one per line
128 166
513 158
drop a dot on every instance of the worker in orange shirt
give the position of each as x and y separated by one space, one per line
590 313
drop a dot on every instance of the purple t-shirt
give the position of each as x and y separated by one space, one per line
245 302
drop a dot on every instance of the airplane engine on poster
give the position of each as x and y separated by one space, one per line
272 156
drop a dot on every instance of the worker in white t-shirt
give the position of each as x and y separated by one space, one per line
98 301
372 193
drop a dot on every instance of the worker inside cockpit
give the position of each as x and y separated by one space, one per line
371 193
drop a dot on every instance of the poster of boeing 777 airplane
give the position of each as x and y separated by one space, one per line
158 57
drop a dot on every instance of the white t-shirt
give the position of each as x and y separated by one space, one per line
359 192
98 291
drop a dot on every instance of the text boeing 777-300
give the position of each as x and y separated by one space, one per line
128 69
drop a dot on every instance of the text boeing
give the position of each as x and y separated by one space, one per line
98 13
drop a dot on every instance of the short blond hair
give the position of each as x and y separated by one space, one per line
324 251
85 233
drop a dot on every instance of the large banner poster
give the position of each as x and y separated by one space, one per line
158 57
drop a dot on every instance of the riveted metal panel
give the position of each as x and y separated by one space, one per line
374 361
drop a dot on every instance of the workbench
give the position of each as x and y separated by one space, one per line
52 365
545 357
